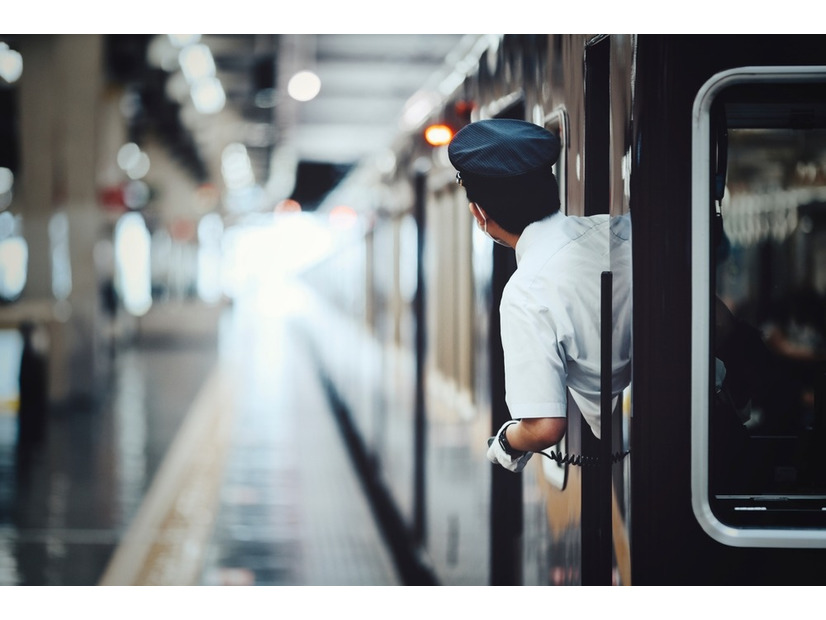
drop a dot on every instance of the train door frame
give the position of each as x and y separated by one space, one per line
506 497
597 543
703 187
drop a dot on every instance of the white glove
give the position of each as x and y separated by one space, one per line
497 454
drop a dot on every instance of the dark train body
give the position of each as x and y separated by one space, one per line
682 132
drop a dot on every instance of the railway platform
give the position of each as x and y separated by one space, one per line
214 459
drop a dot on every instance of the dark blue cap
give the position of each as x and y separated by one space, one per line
498 150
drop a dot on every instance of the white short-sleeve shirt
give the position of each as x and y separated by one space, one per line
550 315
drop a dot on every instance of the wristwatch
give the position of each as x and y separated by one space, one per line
503 441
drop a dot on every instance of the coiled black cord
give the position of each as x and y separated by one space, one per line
578 460
581 460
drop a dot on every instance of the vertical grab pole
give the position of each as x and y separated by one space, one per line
597 542
606 431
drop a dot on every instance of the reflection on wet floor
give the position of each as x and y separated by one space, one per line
64 502
290 509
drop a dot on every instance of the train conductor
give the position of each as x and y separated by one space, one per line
550 307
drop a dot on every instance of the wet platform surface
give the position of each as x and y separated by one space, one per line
292 511
212 463
66 501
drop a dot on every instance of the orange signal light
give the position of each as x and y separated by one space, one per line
288 206
438 135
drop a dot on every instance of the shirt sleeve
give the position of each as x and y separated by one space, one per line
535 366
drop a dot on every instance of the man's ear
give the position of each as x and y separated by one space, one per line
478 213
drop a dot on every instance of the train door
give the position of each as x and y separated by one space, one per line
727 143
581 535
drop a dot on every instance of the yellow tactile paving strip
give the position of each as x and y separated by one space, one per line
165 543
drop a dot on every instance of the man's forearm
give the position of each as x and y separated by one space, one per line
535 434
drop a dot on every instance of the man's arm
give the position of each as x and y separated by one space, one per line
517 440
536 434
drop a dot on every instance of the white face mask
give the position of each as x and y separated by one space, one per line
491 237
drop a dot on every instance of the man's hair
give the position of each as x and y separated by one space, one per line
506 167
515 204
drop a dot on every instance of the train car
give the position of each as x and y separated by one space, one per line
711 468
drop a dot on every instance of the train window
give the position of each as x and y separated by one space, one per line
557 123
759 291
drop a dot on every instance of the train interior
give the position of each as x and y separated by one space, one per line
770 338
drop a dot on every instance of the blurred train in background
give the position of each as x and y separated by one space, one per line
715 146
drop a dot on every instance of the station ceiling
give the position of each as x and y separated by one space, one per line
366 80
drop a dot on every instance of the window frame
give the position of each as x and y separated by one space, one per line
701 311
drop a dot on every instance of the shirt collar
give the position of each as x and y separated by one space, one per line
532 233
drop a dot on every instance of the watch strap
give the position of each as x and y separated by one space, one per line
505 444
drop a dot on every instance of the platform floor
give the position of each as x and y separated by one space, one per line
214 462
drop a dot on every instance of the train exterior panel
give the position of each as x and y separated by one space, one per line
683 136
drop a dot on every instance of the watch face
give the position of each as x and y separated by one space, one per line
504 443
